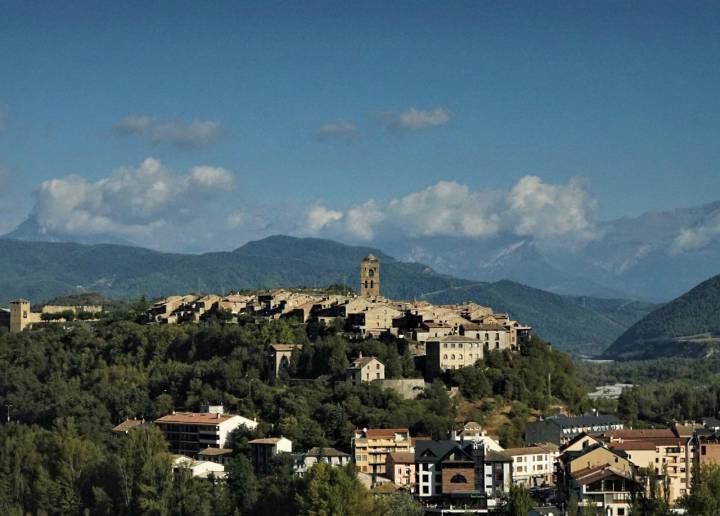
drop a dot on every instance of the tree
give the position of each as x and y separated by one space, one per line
400 503
704 497
242 483
144 473
518 502
333 491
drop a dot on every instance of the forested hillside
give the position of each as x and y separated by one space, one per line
66 389
688 325
40 271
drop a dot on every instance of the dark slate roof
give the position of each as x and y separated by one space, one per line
711 422
438 450
585 420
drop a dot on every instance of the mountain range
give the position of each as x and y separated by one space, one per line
44 270
687 326
631 257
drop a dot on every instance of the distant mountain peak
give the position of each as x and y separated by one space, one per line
31 231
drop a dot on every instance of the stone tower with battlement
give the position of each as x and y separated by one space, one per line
370 277
19 315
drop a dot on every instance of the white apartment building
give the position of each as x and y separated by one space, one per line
533 466
190 432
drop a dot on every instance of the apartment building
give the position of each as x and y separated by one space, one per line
658 450
451 352
190 432
533 466
371 446
461 476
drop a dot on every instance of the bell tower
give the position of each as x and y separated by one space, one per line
370 277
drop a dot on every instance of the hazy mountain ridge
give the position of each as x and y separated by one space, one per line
686 326
631 258
42 270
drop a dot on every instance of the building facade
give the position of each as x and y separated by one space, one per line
371 447
370 277
365 369
189 432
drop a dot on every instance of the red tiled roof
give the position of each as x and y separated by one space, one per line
633 445
194 418
402 457
377 433
639 434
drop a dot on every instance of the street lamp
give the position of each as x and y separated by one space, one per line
8 405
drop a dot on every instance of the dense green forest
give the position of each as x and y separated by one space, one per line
694 313
664 389
42 270
64 390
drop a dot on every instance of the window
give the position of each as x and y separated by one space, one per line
445 346
460 356
621 511
452 357
458 479
377 375
445 356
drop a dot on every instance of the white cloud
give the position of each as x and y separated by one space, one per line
362 219
414 118
318 217
235 219
339 130
180 133
692 239
448 208
130 202
551 213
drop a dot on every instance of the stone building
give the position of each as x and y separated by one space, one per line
278 358
451 352
370 277
21 316
365 369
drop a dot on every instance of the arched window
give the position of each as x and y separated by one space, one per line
452 357
445 357
460 356
372 283
366 283
371 272
458 479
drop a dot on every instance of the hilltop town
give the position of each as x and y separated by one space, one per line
587 460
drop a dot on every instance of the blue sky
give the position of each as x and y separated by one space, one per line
303 103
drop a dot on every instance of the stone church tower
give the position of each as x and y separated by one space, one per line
370 277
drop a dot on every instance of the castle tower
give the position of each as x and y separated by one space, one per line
370 277
19 315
